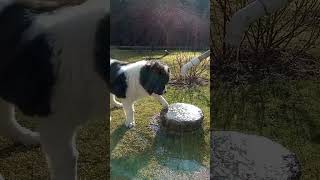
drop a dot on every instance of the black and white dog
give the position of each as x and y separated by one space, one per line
54 66
131 81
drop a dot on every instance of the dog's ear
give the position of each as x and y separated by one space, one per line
154 77
145 79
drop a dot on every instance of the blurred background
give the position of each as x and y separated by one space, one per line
170 23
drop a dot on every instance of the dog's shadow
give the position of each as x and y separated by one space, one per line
117 135
126 167
16 148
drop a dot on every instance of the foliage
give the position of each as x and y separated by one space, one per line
294 27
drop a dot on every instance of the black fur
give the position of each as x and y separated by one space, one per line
154 78
102 48
26 73
14 20
118 84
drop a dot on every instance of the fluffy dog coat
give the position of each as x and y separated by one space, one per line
54 66
131 81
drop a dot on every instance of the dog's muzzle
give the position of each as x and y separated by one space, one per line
161 91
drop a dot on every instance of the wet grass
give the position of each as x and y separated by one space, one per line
140 153
285 111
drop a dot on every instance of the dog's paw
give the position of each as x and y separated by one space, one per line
165 105
118 105
130 125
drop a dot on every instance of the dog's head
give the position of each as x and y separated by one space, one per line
154 77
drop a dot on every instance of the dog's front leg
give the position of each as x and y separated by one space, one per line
128 110
58 143
10 128
113 102
160 98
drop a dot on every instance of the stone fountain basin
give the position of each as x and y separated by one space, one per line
180 118
242 156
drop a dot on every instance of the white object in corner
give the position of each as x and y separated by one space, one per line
194 61
242 19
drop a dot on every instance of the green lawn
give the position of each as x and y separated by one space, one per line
286 112
140 152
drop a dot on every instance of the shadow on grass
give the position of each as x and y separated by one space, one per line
16 148
117 136
127 166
